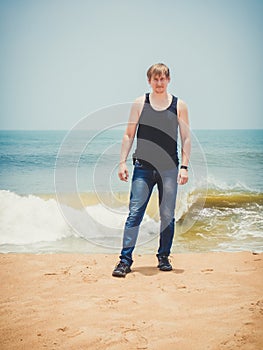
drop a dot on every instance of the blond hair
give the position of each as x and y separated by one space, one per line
158 69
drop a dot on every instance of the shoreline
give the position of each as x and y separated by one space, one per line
71 301
223 223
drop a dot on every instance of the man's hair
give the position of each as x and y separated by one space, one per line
158 69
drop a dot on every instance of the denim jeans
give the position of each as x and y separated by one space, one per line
143 182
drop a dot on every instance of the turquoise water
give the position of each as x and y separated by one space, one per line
28 158
220 208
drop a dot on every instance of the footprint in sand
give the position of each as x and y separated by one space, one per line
69 332
133 337
257 306
63 271
108 303
207 270
89 278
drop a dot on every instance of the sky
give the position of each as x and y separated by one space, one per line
62 60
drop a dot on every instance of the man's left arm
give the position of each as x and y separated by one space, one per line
184 129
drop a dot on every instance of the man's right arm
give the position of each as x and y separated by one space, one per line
128 137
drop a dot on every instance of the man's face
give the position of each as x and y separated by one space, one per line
159 83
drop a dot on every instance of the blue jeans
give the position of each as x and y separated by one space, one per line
143 182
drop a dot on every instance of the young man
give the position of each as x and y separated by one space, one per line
156 117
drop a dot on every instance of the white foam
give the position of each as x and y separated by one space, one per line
111 222
220 185
110 218
30 219
185 200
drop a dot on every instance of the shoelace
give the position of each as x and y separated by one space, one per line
121 265
164 260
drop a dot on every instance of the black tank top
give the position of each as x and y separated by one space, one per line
157 136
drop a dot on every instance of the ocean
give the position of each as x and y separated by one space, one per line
59 192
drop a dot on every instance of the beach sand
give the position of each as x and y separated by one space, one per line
71 301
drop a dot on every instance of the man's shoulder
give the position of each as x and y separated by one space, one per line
140 99
182 109
137 106
181 104
139 103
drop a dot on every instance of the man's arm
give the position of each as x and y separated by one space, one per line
128 137
184 128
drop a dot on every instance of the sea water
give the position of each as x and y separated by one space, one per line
60 192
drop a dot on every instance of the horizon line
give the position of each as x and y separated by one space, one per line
194 129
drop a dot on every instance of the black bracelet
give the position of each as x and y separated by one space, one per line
184 167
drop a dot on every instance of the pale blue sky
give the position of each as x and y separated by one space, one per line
61 59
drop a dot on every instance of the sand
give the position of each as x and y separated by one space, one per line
71 301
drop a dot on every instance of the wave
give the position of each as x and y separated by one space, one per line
232 199
212 213
31 219
217 193
213 183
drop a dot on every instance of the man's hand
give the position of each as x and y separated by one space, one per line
123 172
182 177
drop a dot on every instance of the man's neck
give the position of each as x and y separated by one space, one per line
160 97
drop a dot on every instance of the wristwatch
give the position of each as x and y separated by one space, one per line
184 167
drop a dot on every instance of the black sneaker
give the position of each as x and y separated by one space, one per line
164 263
121 270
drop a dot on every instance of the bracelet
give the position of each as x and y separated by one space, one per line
184 167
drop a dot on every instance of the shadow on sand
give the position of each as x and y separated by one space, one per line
151 270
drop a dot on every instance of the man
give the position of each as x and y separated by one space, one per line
156 117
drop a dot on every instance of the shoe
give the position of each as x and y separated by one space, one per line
164 263
121 270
